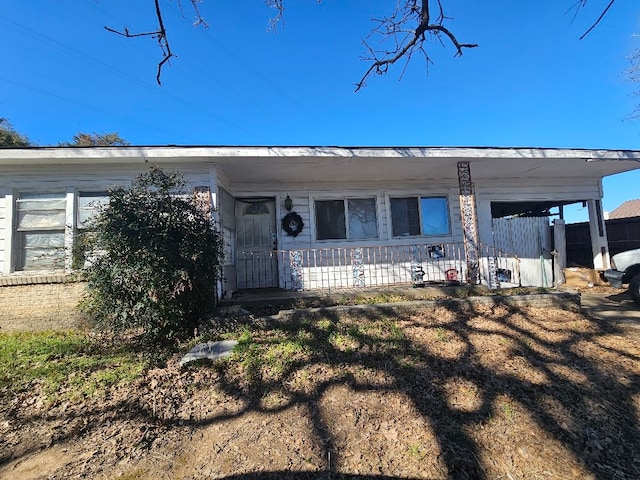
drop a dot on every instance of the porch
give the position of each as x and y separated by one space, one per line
342 268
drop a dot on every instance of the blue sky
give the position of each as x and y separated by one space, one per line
531 81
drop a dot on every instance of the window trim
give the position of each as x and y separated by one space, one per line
418 195
13 253
17 246
345 198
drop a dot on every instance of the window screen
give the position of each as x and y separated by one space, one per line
405 218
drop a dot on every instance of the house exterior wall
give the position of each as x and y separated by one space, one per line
329 263
534 270
40 306
303 204
68 182
3 231
341 173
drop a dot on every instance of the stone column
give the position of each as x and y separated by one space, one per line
469 222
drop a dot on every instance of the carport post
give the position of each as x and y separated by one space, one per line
598 231
559 251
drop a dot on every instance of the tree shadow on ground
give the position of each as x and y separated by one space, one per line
620 298
557 376
464 369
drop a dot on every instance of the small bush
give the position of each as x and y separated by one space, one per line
156 259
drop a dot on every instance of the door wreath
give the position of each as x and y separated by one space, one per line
292 224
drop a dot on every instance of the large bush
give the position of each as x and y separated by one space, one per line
154 258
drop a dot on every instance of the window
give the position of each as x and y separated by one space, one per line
411 216
353 219
256 208
40 231
89 204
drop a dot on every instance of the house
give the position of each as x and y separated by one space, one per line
630 208
326 217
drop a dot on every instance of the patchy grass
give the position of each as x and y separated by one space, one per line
64 363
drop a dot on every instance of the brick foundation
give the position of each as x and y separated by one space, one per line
40 306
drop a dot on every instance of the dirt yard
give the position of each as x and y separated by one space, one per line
478 393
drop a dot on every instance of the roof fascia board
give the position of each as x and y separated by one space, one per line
115 155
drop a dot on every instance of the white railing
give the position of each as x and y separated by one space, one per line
349 267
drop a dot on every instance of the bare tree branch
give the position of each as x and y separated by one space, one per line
199 18
406 41
279 17
579 4
160 35
395 33
633 73
602 14
162 41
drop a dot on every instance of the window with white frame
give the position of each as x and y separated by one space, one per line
40 230
89 204
347 219
415 216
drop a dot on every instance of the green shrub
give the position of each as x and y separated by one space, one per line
156 259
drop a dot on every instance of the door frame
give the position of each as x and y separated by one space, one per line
267 259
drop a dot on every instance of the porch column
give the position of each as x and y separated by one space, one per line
598 231
469 222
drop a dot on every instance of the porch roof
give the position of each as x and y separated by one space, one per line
264 164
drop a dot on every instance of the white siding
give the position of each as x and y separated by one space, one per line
328 264
3 232
84 177
303 205
101 177
72 179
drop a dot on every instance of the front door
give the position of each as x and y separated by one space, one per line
256 242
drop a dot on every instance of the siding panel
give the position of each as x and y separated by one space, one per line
71 179
3 233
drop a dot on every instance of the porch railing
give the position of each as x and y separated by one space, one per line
371 266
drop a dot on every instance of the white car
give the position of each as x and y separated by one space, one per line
625 268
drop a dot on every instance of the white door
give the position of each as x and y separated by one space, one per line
256 242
